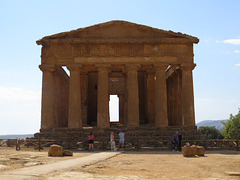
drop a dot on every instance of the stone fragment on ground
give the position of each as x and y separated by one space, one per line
32 163
200 150
55 150
67 153
190 151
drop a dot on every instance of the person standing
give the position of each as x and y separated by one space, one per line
121 139
112 142
179 141
91 141
175 141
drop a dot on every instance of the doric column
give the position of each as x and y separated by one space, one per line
103 120
133 98
125 100
47 120
161 117
84 90
121 108
187 93
74 110
151 97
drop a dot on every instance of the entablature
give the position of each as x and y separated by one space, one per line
115 50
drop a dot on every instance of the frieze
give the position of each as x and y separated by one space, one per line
114 50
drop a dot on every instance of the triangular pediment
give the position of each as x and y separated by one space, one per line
119 30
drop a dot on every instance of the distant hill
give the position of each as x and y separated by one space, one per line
14 136
217 123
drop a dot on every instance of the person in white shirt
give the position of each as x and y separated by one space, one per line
121 139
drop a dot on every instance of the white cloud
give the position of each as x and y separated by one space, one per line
236 51
237 65
20 110
232 41
9 94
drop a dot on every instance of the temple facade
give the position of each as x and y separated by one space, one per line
149 69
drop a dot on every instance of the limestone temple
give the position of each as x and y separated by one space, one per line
149 69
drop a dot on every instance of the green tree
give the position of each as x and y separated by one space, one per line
211 132
231 128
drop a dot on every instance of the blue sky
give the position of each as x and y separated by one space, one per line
215 23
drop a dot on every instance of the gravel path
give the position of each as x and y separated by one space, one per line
43 171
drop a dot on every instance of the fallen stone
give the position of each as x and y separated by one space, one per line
55 150
67 153
194 150
200 151
32 163
187 151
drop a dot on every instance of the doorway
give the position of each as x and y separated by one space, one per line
114 108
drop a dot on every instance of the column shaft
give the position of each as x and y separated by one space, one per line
125 101
121 108
103 98
47 118
84 91
74 111
133 97
188 96
161 117
151 97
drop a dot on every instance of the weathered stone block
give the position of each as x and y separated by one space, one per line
55 150
194 150
67 153
187 151
200 151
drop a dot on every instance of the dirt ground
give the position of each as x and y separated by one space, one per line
12 159
134 165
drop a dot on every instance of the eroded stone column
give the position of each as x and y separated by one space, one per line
84 90
161 117
121 108
74 110
187 93
47 118
133 98
103 121
125 100
151 97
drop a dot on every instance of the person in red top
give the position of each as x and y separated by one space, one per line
90 141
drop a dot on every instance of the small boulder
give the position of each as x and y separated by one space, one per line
194 150
187 151
200 150
67 153
55 150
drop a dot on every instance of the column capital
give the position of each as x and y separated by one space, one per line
103 66
131 66
47 67
160 66
74 67
187 66
150 72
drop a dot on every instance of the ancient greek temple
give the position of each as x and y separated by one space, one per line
149 69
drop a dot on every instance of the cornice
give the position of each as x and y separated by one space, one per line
116 40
